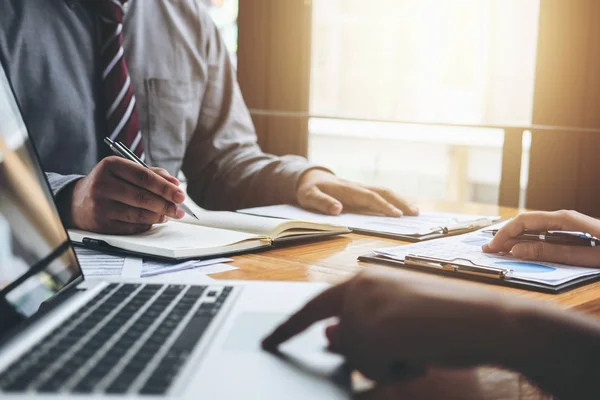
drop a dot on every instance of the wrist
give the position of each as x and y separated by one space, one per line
518 344
556 350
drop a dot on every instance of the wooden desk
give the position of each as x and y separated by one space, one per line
335 259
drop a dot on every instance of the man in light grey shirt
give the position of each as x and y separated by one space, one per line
191 113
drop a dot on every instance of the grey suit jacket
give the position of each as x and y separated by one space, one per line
191 110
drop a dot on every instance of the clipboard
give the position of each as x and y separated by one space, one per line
433 225
436 233
460 268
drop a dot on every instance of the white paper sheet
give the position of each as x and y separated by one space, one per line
154 267
426 222
132 267
198 275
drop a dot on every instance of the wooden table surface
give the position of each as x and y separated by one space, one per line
335 259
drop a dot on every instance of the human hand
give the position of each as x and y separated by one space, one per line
505 241
393 323
326 193
122 197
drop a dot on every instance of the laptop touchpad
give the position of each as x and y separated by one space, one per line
250 328
307 349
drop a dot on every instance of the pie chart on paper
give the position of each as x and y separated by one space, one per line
525 267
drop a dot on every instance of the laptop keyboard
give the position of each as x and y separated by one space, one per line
130 338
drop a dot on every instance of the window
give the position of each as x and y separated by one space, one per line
224 13
379 67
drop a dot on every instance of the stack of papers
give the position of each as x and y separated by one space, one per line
96 264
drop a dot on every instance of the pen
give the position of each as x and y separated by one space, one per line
131 154
568 238
123 151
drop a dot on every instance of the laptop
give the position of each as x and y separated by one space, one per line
62 336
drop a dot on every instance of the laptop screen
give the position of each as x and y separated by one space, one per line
36 260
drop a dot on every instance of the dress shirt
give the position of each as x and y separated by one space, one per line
192 114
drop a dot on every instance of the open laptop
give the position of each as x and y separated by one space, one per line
62 336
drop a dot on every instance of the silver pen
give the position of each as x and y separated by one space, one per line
123 151
567 238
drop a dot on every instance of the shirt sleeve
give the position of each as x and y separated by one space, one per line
58 182
225 167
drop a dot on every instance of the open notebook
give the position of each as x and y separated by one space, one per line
215 233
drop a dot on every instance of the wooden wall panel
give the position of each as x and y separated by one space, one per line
553 171
274 69
509 193
565 166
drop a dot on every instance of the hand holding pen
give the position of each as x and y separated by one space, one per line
120 196
565 237
120 149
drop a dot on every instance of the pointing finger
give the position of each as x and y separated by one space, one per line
327 304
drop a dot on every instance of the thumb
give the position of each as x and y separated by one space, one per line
570 255
316 200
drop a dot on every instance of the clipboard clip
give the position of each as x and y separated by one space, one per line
458 228
455 265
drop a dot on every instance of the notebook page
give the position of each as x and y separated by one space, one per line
170 236
235 222
264 226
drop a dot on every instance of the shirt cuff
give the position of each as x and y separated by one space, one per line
59 182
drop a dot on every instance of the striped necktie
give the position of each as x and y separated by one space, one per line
118 98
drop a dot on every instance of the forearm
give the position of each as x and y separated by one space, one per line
558 351
246 178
